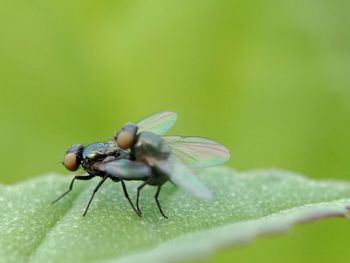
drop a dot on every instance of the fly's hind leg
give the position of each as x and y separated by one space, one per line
157 201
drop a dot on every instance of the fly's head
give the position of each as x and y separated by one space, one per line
73 157
126 137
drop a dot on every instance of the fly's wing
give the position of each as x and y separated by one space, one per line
197 152
158 123
126 170
180 175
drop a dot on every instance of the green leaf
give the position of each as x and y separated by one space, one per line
245 205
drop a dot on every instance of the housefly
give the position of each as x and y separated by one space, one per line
141 151
91 157
170 158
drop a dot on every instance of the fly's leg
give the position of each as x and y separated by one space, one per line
127 197
120 170
78 177
94 192
157 201
138 197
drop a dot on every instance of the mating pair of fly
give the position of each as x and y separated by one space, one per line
141 151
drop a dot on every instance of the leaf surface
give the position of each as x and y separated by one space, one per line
245 205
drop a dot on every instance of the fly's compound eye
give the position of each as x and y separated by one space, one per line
71 161
125 139
126 136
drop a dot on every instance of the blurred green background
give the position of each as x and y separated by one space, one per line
270 79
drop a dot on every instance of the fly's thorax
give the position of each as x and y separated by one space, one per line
92 150
98 150
150 144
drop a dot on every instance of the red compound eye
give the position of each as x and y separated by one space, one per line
125 139
71 162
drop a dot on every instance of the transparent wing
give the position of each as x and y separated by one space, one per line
126 170
158 123
197 152
180 175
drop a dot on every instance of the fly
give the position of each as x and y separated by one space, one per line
141 151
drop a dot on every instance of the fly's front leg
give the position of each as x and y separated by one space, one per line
77 177
94 192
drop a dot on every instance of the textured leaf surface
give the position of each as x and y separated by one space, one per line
245 205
